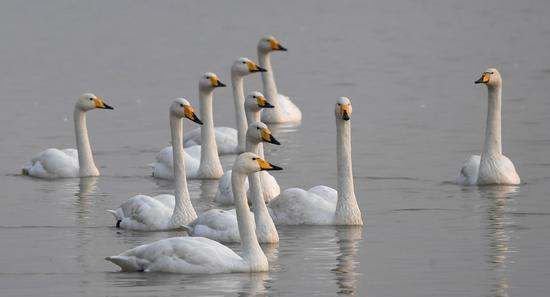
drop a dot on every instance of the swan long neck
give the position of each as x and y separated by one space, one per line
210 161
252 252
268 79
238 96
347 209
253 116
493 140
85 158
184 212
264 222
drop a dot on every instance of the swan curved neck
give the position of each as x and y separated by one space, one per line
347 209
493 140
85 158
210 165
238 96
252 252
268 79
184 212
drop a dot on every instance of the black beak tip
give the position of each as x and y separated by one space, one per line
345 117
220 84
107 106
274 141
197 120
260 69
282 48
268 105
274 167
478 81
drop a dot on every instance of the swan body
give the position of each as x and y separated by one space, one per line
492 167
163 212
285 110
199 255
53 163
203 160
222 225
254 103
322 205
230 140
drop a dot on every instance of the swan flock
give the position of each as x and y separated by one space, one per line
195 154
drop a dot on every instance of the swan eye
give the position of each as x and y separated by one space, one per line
339 104
254 158
257 128
254 97
243 62
181 104
91 99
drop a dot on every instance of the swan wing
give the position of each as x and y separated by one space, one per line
145 213
218 224
226 139
469 171
296 206
287 111
163 167
54 163
224 194
187 255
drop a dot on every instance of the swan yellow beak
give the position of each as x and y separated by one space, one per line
276 45
253 67
190 114
264 165
263 103
99 103
484 78
268 137
215 82
345 110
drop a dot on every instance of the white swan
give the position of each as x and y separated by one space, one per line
195 255
163 212
221 225
230 140
492 167
322 205
285 110
254 103
202 162
53 163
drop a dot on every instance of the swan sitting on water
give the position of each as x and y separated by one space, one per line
202 161
199 255
229 140
254 103
163 212
285 110
322 205
54 163
492 167
221 225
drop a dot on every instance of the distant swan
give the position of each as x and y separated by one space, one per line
230 140
221 225
254 103
322 205
53 163
199 255
492 167
202 162
285 110
163 212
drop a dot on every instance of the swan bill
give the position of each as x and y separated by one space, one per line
190 114
265 166
268 137
253 67
99 103
276 45
345 112
263 103
484 78
216 83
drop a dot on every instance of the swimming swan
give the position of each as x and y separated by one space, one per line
199 255
229 140
254 103
163 212
53 163
202 162
221 225
492 167
285 110
322 205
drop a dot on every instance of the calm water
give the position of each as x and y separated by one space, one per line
409 68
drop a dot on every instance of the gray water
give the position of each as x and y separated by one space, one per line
409 68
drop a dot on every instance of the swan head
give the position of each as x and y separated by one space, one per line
490 77
258 132
343 109
89 101
255 101
247 163
270 43
209 81
181 108
245 66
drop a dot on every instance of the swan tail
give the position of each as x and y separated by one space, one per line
128 264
